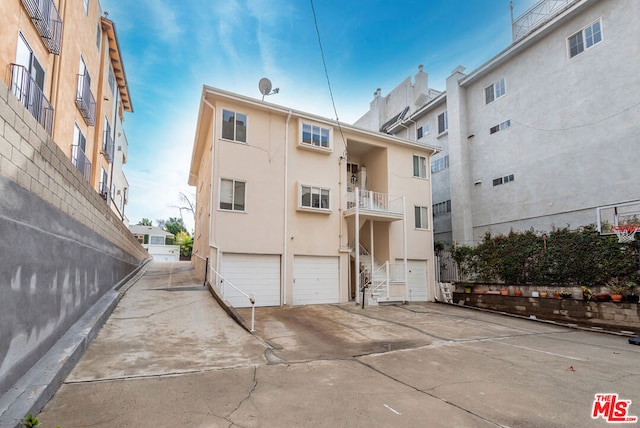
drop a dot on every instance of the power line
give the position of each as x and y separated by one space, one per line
326 73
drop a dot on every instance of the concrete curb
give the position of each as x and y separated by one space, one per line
34 390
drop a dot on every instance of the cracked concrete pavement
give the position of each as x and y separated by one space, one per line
170 356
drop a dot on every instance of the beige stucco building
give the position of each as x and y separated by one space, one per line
293 208
61 60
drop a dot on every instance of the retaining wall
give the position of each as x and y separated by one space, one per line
619 316
61 246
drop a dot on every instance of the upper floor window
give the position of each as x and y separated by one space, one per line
441 208
86 7
314 197
440 164
419 166
315 135
503 180
422 131
232 195
585 38
443 122
494 91
234 126
98 36
112 81
156 240
421 217
500 127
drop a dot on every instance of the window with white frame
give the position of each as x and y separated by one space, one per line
232 195
234 126
112 81
503 180
314 197
494 91
443 122
422 131
419 166
156 240
440 164
585 38
314 135
421 217
441 208
86 7
501 126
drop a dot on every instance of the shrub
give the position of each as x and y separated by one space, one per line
560 257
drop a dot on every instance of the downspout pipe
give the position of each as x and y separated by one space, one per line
285 235
212 243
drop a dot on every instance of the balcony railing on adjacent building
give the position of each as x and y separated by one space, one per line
85 100
107 146
46 18
80 161
25 88
537 15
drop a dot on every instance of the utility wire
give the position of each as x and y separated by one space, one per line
326 73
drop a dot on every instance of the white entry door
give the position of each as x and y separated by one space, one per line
254 274
417 287
316 280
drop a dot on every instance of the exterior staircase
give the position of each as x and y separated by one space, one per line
376 279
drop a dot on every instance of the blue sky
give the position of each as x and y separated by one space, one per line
170 49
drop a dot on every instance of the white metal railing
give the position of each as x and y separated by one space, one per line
538 14
220 286
375 201
379 282
220 283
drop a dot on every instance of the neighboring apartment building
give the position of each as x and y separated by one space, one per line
298 209
542 135
61 60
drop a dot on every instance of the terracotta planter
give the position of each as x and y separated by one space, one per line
602 297
478 291
543 294
517 293
616 297
504 292
556 295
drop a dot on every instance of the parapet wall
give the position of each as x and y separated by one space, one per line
61 246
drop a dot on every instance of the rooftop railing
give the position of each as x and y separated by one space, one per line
537 15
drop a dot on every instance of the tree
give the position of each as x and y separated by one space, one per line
145 222
174 225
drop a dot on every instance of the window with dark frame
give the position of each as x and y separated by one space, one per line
234 126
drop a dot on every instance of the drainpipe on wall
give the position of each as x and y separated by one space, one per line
211 239
286 210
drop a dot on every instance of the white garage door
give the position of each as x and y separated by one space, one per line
316 280
254 274
417 280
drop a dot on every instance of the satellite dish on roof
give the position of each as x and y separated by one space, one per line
265 87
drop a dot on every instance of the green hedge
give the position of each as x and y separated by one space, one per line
560 257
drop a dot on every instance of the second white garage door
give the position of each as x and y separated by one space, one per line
316 280
255 274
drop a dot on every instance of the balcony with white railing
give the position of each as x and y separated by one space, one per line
81 161
46 18
538 14
85 100
376 204
25 88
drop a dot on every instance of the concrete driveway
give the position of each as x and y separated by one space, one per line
170 356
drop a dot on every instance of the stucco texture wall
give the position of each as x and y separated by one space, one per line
62 248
